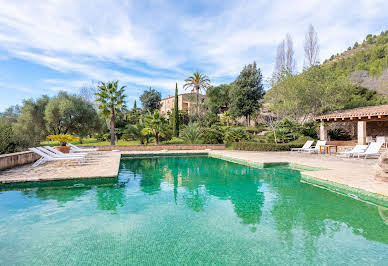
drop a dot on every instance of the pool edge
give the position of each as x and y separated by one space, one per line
345 190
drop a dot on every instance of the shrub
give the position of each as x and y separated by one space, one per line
191 133
286 130
9 140
134 132
236 134
63 138
5 136
102 136
310 130
175 140
339 134
167 135
255 146
213 135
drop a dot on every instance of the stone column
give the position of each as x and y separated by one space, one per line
361 132
322 131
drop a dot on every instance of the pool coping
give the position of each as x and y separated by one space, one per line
265 165
345 190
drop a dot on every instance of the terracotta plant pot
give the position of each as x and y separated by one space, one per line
64 149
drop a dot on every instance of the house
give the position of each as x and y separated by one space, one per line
371 122
186 101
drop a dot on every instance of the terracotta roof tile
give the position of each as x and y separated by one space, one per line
357 112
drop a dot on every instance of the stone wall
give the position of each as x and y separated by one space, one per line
16 159
377 128
373 128
158 147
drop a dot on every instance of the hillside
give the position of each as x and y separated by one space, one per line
366 64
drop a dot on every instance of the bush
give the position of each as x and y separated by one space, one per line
310 130
9 140
255 146
175 140
5 136
236 134
191 133
286 130
63 139
102 136
213 135
260 127
167 135
339 134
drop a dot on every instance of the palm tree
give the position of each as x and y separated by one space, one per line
156 125
192 133
226 117
197 82
111 102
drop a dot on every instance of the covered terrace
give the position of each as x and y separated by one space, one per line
371 121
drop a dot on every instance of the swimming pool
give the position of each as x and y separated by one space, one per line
188 210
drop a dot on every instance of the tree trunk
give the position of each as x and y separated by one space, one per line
197 100
156 139
112 126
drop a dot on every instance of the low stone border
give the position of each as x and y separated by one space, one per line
129 156
18 158
345 190
157 147
264 165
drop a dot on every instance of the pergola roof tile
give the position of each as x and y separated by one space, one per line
368 111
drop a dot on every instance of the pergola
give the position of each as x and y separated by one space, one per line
369 119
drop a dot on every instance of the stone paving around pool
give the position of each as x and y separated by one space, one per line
356 173
104 164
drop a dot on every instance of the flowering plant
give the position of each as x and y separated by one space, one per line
63 138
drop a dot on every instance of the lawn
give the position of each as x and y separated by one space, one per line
93 141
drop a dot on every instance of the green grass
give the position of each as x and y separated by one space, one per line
92 141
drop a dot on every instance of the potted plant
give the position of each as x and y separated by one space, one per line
63 139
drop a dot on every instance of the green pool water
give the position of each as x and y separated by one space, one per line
186 211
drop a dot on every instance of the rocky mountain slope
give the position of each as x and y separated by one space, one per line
378 83
366 64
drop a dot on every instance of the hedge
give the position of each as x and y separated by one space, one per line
255 146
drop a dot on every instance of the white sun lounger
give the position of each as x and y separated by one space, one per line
78 149
373 150
306 146
47 158
59 153
355 151
316 148
52 154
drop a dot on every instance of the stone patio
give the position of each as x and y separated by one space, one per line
105 164
356 173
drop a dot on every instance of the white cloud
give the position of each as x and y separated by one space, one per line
158 43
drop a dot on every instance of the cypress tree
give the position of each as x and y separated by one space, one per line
176 113
134 106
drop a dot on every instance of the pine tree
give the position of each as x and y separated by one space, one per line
176 113
134 106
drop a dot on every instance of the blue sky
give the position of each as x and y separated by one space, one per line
48 46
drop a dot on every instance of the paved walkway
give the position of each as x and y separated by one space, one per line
105 164
351 172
